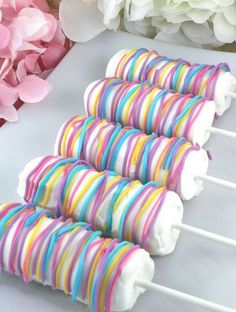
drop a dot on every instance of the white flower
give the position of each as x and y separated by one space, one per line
82 20
225 24
137 10
207 22
192 22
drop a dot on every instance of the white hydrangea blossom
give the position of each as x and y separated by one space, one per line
199 23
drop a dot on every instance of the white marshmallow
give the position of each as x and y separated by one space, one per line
226 82
196 164
138 267
162 238
197 135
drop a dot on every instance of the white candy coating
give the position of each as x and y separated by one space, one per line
196 163
226 82
161 240
198 133
139 267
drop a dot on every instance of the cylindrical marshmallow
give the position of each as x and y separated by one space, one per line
171 162
119 207
71 257
150 108
213 82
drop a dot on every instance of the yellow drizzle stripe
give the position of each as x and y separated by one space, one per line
128 104
30 244
108 274
62 260
83 191
94 268
49 185
146 206
125 192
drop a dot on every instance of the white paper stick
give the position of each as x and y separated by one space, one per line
205 234
184 297
227 133
217 181
231 95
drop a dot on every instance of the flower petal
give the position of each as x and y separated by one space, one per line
224 31
33 89
32 24
198 32
31 63
203 4
52 28
5 66
177 38
59 37
8 113
8 95
140 9
199 16
230 14
42 5
168 28
81 21
4 37
11 78
110 9
27 46
21 70
20 4
53 55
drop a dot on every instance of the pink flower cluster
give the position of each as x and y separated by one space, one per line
31 45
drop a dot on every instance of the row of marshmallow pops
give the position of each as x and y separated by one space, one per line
172 162
214 307
155 109
77 211
173 97
122 208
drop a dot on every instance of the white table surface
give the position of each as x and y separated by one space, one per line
198 267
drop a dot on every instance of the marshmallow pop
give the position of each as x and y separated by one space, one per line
213 82
149 108
172 162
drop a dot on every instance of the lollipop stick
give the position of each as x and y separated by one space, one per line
205 234
183 296
227 133
217 181
231 94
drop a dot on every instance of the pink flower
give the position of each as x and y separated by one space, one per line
31 45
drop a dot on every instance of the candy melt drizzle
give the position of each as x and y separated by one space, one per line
127 151
144 106
83 193
174 74
71 256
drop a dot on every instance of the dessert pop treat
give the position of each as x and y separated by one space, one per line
119 207
152 109
104 274
171 162
213 82
70 256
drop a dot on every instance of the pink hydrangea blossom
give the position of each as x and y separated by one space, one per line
31 45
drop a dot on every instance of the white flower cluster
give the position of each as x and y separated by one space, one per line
189 22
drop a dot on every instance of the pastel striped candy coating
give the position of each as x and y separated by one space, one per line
71 257
210 81
149 108
119 207
171 162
